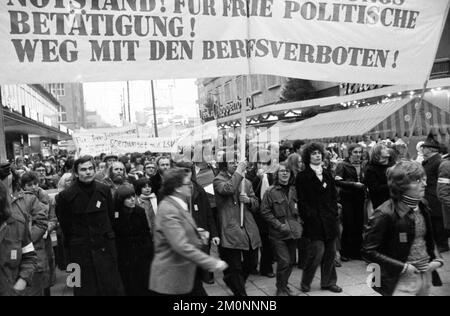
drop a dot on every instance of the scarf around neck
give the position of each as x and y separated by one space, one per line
318 170
412 202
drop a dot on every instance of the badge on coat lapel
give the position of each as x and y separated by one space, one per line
324 185
14 254
99 204
196 207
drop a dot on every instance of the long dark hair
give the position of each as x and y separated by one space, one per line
4 204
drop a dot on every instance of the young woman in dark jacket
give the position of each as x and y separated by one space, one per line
280 211
133 241
316 191
399 237
375 177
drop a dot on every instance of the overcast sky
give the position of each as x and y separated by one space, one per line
105 97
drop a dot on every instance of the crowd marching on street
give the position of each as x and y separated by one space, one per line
144 225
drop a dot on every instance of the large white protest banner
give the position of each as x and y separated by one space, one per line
370 41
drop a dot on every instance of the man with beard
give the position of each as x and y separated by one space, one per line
85 212
163 164
115 177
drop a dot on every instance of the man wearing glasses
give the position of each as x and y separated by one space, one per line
150 170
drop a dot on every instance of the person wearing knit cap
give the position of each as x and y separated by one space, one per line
431 163
399 236
133 241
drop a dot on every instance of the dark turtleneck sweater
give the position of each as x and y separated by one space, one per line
87 188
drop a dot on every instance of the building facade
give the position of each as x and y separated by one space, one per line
71 97
31 120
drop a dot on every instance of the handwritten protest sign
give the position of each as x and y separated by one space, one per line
376 41
155 145
119 140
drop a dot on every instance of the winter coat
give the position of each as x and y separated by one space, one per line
177 250
318 204
431 167
257 184
375 179
37 216
383 246
89 238
150 213
232 235
134 250
156 182
204 178
18 258
277 209
201 211
348 177
443 190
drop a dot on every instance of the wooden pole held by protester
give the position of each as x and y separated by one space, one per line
3 155
243 147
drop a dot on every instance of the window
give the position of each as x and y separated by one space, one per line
62 116
57 89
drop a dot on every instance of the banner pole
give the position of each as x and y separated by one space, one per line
243 149
3 155
155 122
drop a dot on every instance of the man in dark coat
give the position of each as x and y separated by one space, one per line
431 163
85 212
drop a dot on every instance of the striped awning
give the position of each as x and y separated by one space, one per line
384 120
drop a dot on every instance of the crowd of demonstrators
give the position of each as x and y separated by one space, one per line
137 224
